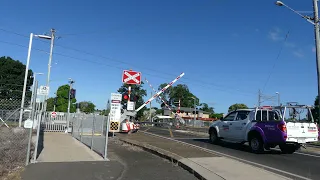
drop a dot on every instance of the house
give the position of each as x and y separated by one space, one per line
188 113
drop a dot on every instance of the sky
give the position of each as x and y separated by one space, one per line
227 49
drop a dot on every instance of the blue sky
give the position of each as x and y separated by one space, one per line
226 48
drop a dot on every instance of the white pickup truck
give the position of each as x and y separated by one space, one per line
265 128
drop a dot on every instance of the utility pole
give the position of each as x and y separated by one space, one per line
317 41
53 31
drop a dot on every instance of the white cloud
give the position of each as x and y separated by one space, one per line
275 34
298 54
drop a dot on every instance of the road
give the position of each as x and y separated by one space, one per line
300 163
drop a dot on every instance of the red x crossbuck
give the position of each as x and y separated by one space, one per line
131 77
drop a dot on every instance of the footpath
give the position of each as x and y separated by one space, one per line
204 165
65 158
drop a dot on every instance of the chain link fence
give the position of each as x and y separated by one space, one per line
90 129
13 140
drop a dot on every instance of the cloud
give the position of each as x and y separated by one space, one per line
298 54
275 34
313 49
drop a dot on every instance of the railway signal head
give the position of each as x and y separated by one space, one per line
134 98
125 96
72 93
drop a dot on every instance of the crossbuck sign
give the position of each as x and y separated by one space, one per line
131 77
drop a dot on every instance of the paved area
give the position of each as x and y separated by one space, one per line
126 163
210 165
304 163
61 147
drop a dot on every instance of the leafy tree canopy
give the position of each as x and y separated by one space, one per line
180 91
237 106
62 100
87 107
315 111
135 90
12 79
205 107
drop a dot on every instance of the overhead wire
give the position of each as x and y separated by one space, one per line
200 83
276 61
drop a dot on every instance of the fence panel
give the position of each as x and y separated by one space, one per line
90 130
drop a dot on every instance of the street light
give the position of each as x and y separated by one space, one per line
26 74
315 21
278 98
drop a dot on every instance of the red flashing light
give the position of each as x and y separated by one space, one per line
125 97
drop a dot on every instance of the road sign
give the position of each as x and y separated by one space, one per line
53 114
130 106
44 90
28 124
115 112
131 77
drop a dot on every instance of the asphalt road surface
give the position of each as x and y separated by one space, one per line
300 163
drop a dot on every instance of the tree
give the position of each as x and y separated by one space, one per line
105 112
237 106
135 90
216 115
87 107
165 95
50 104
12 79
62 100
180 91
205 107
315 111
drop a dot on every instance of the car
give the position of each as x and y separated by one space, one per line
267 127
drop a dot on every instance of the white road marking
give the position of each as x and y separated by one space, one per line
233 157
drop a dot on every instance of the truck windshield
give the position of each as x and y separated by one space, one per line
267 115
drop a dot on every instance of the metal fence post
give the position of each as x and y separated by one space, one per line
81 126
39 118
106 143
30 130
93 129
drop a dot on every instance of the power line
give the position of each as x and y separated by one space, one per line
275 62
202 84
130 64
121 68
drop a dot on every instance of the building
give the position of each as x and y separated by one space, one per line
188 113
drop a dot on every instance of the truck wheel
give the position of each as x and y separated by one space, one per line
214 139
256 144
287 149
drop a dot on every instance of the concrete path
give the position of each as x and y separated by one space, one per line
126 163
61 147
